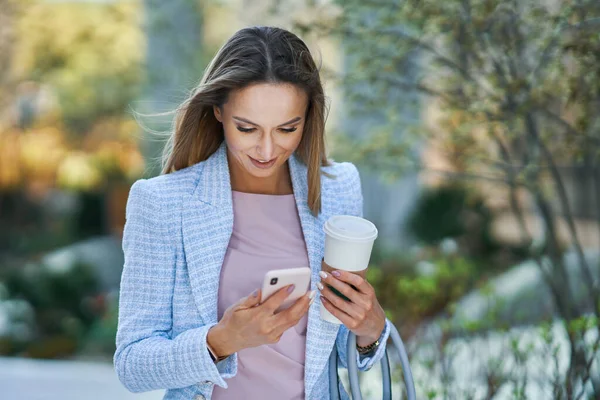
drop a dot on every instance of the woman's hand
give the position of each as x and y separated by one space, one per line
249 324
362 315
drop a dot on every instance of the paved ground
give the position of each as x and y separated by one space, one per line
24 379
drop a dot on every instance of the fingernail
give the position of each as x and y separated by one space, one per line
312 301
290 289
336 274
320 285
323 275
312 294
255 293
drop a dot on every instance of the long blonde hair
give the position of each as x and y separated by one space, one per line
252 55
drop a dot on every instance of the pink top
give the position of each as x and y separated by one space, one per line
266 235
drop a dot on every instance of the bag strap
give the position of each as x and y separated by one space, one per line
334 379
385 369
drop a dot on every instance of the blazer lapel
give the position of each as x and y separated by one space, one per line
321 335
207 226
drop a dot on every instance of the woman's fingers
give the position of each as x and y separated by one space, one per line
274 301
252 300
290 317
347 307
342 287
360 283
346 319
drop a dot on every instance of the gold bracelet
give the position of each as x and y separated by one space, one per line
367 349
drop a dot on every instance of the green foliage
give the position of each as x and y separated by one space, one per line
499 80
409 297
437 214
428 295
102 334
65 303
90 54
55 293
448 212
582 324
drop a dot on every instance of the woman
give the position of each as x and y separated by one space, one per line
246 188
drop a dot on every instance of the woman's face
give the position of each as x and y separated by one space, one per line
263 125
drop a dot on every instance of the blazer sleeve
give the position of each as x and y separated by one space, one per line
147 356
364 363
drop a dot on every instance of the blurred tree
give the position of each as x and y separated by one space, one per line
174 64
8 12
515 89
89 53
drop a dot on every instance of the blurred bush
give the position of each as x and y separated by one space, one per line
453 211
64 302
100 340
415 288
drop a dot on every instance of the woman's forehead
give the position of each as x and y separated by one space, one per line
266 101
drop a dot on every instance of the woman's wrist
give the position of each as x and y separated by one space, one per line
367 340
218 341
364 341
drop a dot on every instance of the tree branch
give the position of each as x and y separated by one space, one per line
564 201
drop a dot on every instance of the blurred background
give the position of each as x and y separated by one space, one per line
475 125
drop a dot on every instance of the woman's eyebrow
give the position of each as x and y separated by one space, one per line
252 123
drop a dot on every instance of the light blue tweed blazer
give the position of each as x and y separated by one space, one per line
175 238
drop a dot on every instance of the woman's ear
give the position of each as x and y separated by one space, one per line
217 112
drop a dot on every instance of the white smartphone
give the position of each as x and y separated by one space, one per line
279 278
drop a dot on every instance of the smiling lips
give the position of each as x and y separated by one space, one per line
262 165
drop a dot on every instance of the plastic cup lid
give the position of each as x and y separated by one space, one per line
350 228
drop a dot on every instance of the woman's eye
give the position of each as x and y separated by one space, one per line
248 130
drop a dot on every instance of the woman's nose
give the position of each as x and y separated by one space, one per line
265 147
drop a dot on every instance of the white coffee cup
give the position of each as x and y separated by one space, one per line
348 245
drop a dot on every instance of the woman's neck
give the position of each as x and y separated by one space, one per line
278 184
